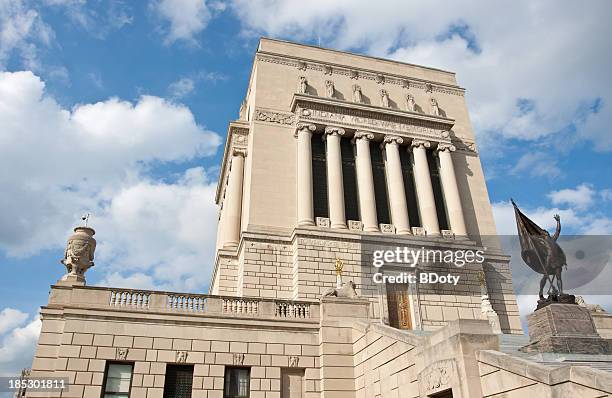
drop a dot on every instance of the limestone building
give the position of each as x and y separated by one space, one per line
335 157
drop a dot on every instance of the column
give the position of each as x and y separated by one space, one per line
450 189
233 200
395 185
425 196
335 186
365 181
305 205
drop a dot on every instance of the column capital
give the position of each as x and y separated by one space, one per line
420 143
365 135
393 139
444 147
309 127
333 130
239 152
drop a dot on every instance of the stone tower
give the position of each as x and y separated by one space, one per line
336 155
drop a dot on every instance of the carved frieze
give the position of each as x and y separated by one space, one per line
374 121
439 376
274 117
354 74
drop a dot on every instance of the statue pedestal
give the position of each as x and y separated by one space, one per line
564 328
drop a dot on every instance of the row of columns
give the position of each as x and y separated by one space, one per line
365 182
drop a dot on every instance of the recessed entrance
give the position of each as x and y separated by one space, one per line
398 301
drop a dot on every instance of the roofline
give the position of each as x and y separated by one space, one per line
354 54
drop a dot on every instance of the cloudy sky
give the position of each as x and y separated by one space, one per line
119 108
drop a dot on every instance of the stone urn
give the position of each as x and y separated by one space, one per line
79 255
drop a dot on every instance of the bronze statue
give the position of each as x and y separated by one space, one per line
542 253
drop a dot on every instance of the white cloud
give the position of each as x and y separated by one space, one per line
18 343
573 220
11 318
57 163
556 61
537 164
184 19
181 87
21 30
581 197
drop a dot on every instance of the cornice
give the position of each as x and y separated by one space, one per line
360 73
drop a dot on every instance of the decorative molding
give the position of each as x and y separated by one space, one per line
274 117
387 228
121 353
327 70
363 74
323 222
238 359
294 361
419 231
447 234
465 146
180 357
354 225
371 118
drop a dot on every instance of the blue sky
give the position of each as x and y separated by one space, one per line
120 108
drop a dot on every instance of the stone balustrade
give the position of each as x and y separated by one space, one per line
182 303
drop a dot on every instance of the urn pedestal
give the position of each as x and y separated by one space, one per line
564 328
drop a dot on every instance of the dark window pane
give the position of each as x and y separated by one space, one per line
434 172
179 379
349 180
319 177
380 184
409 187
236 383
118 379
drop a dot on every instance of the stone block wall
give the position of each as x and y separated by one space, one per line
79 349
302 267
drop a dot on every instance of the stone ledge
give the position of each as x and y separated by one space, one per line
583 375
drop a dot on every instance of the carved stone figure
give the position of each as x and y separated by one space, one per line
327 70
410 104
542 253
384 98
357 94
329 89
302 85
347 290
435 109
242 112
380 79
591 307
79 254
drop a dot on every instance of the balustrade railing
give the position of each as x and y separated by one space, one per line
239 305
186 302
129 298
287 309
194 303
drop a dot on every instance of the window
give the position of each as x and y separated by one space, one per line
349 179
436 184
237 382
319 177
118 380
179 381
380 185
410 188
